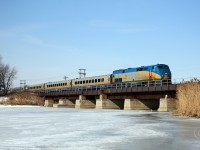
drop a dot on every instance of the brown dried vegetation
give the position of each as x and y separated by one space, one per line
24 98
188 95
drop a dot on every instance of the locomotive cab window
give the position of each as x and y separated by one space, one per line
139 69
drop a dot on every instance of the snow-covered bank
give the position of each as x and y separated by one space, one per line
18 106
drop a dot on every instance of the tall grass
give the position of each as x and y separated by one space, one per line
188 95
24 98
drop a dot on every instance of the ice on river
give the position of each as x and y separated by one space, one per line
40 128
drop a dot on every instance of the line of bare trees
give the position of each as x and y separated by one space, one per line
7 75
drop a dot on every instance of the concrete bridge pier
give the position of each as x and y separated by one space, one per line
48 103
167 104
136 104
104 103
65 103
82 102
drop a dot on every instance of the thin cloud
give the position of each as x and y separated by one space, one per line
5 34
121 27
134 30
32 40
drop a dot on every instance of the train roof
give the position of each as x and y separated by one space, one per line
147 68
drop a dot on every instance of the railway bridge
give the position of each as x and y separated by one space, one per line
144 96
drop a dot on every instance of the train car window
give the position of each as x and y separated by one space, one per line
95 80
102 80
92 80
145 68
84 82
66 84
80 82
166 67
75 82
118 80
139 69
99 80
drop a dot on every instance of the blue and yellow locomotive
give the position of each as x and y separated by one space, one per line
144 73
152 74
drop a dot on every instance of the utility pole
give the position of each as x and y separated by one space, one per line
22 84
82 73
65 77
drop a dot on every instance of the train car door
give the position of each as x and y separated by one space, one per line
150 74
111 78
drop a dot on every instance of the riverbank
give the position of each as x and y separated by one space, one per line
23 98
188 95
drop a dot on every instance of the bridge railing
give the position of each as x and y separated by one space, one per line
113 86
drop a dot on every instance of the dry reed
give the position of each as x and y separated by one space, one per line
188 95
24 98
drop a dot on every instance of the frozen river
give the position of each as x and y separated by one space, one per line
40 128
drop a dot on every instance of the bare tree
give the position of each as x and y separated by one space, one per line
7 75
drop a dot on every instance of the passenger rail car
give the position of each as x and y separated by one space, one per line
152 73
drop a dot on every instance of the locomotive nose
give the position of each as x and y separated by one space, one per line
166 76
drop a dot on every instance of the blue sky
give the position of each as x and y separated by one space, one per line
49 39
